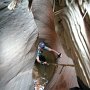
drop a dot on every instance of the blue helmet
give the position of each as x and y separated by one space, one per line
42 45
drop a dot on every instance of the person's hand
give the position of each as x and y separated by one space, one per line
60 55
45 63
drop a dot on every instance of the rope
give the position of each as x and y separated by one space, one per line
61 64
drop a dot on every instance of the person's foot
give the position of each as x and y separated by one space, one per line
60 55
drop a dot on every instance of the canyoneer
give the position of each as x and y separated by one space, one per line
40 58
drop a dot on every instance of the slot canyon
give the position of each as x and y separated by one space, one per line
63 25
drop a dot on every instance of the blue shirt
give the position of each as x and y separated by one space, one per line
40 50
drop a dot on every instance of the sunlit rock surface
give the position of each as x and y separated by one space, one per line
44 18
18 36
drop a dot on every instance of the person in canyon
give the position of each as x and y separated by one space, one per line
40 58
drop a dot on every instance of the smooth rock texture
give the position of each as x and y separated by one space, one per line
18 36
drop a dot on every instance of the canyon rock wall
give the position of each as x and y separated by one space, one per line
18 42
74 24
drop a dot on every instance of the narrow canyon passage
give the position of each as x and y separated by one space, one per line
22 29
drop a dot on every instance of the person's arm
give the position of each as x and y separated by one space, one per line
54 51
50 49
37 58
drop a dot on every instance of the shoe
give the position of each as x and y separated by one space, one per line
60 55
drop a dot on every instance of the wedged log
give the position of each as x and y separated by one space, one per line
76 42
14 3
18 36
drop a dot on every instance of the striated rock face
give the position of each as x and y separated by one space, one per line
75 39
18 36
